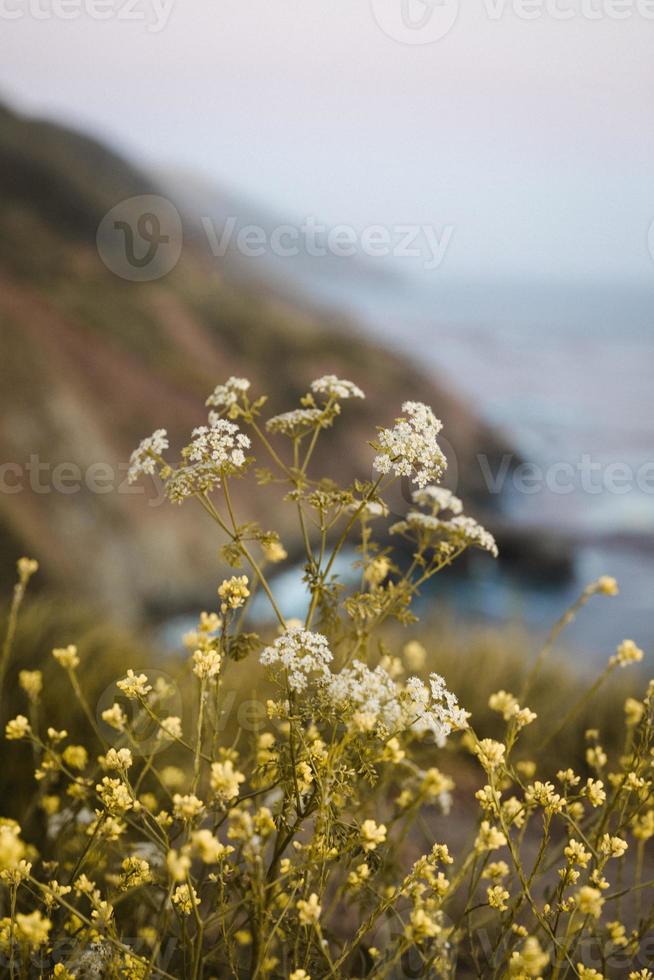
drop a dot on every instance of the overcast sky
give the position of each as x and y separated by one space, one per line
532 138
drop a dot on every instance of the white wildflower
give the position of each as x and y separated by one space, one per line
147 456
335 387
295 423
189 480
224 396
364 693
468 531
368 509
301 653
221 444
434 709
215 449
410 448
374 700
460 531
437 499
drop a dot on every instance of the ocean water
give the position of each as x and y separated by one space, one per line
566 371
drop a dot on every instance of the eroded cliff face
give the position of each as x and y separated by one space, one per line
90 363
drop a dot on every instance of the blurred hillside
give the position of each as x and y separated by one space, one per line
90 363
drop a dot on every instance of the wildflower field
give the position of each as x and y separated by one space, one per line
357 816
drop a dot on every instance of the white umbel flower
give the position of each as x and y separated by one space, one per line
461 531
374 701
335 387
301 653
469 531
221 444
433 709
366 695
145 458
437 499
295 423
215 449
368 510
224 396
410 448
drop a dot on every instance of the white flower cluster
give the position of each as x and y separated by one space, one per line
144 459
434 709
189 480
301 653
221 444
295 423
370 699
410 448
335 387
215 448
372 696
224 396
461 531
437 499
377 702
468 531
417 521
368 509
